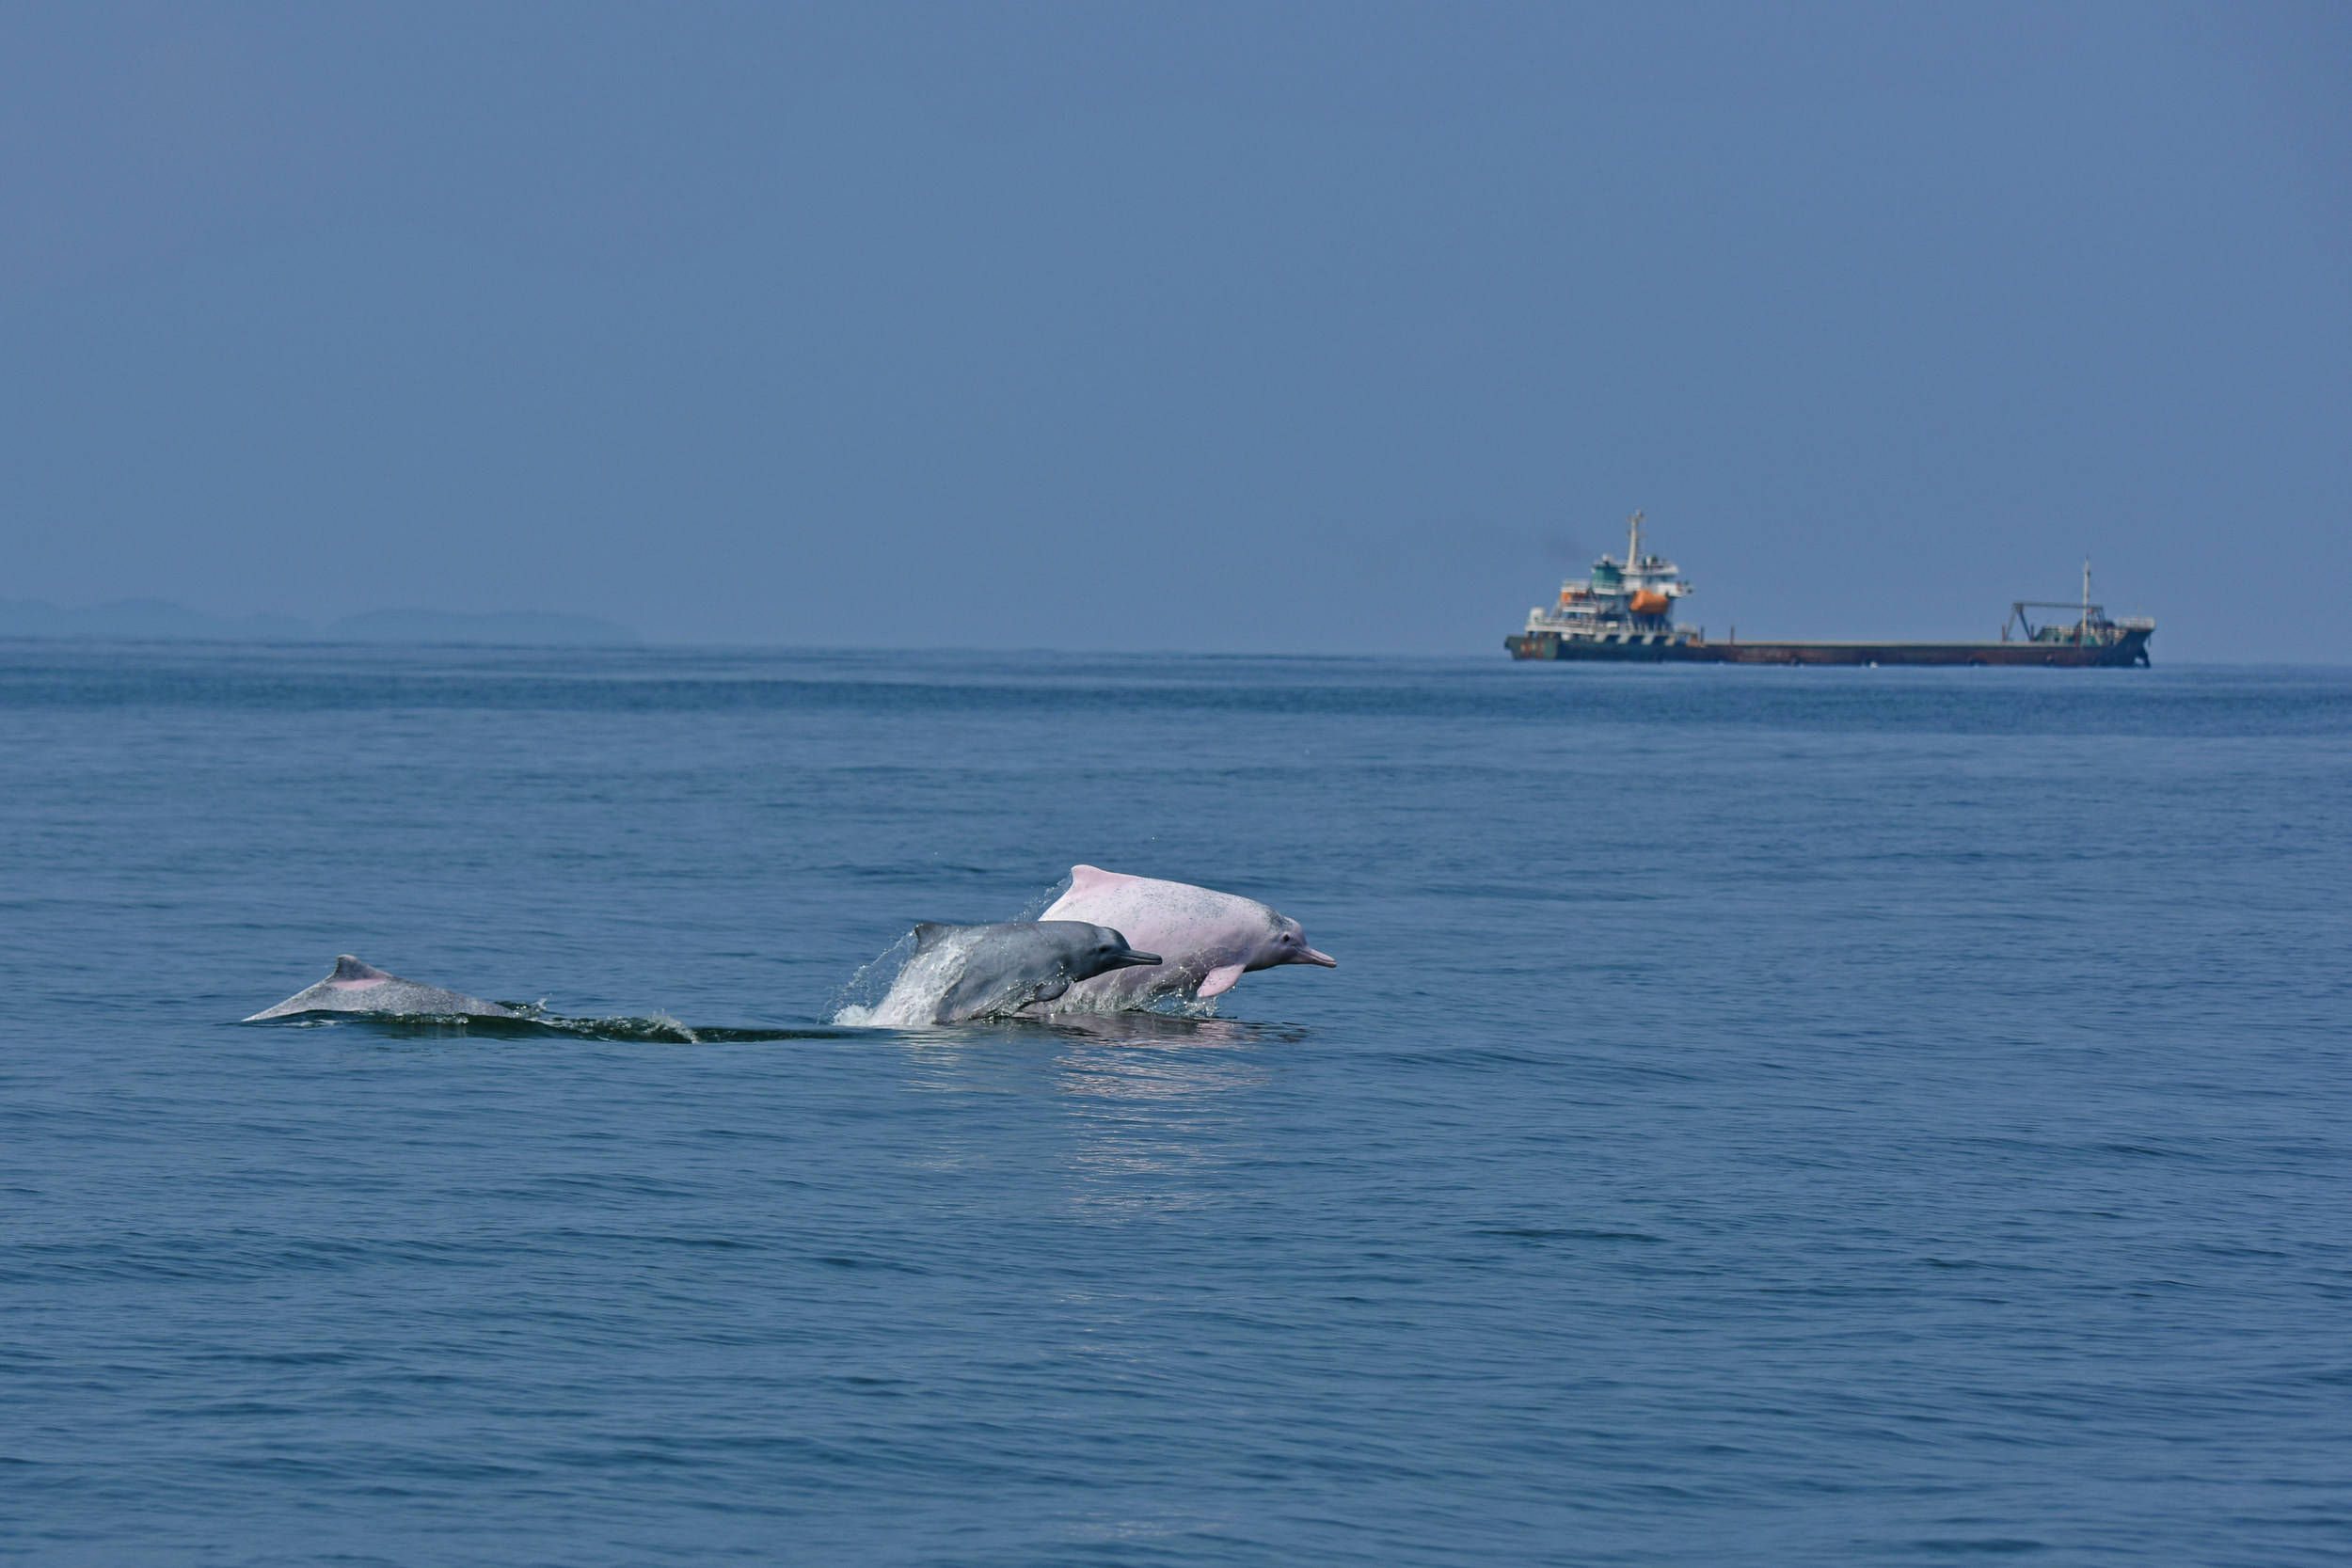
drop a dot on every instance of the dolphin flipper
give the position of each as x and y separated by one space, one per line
1220 979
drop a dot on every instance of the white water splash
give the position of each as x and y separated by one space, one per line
1044 901
913 1000
902 990
872 998
854 1005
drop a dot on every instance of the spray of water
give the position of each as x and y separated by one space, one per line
913 1001
898 991
1043 901
854 1005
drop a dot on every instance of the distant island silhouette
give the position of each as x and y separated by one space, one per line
160 621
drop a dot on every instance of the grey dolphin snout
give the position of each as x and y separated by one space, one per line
1308 956
1133 959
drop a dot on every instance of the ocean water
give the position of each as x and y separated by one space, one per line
1761 1116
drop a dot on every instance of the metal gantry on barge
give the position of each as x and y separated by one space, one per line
1624 614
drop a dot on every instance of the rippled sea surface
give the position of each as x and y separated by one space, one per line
1762 1116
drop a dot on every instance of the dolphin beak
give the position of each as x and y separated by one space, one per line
1308 956
1133 959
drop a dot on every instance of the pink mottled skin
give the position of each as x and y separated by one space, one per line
372 976
361 988
1206 940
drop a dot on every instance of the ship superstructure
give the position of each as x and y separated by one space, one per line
2090 630
1624 611
1625 605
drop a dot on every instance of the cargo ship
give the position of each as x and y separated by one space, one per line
1624 614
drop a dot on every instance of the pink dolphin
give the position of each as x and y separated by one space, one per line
361 988
1206 940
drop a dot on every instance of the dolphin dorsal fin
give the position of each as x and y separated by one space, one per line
348 969
1085 878
926 935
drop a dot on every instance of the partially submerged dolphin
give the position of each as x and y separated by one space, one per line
1207 940
960 972
358 988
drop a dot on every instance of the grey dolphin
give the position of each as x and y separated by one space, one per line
358 988
959 973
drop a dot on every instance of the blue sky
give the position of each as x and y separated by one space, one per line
1321 327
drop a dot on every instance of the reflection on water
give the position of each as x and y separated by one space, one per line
1123 1072
1159 1106
1166 1029
1151 1105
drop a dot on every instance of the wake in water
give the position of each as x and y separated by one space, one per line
529 1021
1132 1028
358 992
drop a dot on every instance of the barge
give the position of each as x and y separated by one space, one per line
1624 614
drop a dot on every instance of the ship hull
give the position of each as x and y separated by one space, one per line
2130 649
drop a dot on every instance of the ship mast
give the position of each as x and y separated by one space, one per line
1634 544
2082 627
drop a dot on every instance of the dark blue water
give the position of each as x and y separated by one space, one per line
1860 1116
